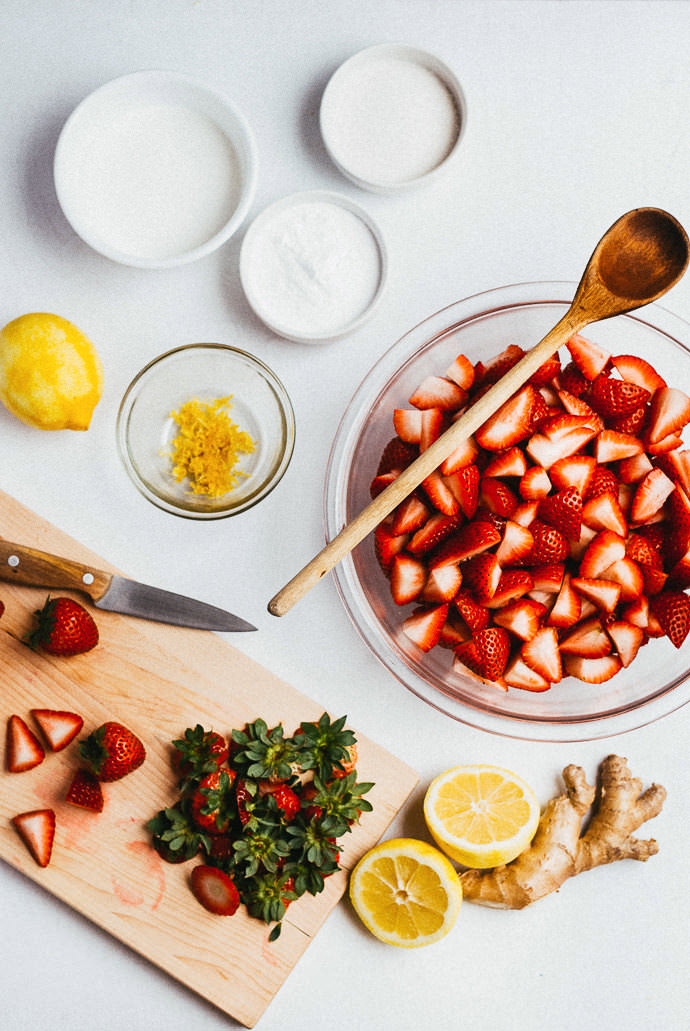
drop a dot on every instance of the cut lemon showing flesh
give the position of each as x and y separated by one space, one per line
406 892
481 816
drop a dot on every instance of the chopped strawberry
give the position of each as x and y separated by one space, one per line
546 451
518 674
461 371
542 654
587 639
85 791
453 633
460 457
513 583
604 512
489 373
612 446
590 359
493 645
633 423
637 370
397 454
534 484
627 574
605 549
468 654
408 576
573 471
215 890
425 625
603 481
465 486
381 481
546 372
408 424
37 830
440 494
612 398
510 424
578 406
471 539
627 640
387 545
567 607
498 497
549 544
676 465
564 511
439 392
637 612
517 541
572 380
672 610
653 580
669 412
437 528
525 513
650 496
605 594
511 462
521 617
24 751
482 575
433 425
667 444
409 515
592 671
442 584
634 469
548 576
475 615
58 727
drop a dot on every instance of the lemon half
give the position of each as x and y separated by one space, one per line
406 892
481 816
51 376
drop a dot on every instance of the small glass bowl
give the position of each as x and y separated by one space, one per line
657 682
208 371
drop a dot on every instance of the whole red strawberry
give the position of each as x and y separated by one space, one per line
64 628
112 751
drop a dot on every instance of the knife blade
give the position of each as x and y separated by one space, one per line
30 567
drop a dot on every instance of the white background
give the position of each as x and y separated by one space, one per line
577 112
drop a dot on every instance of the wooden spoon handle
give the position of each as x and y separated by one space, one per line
384 503
31 568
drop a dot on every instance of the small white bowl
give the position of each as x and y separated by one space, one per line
313 266
392 117
154 169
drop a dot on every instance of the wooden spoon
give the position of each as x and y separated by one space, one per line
636 261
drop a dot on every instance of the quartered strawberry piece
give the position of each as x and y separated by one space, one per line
604 549
425 625
442 584
650 496
612 446
409 515
546 451
408 424
564 511
465 486
637 370
397 454
605 594
493 646
475 615
604 512
567 608
482 575
436 529
439 392
511 462
460 457
592 671
486 374
510 424
672 610
440 494
497 496
572 380
58 727
628 575
471 539
578 406
669 412
24 750
549 544
534 484
387 545
513 583
518 674
612 398
85 791
587 639
37 830
676 465
590 359
627 640
461 371
408 576
632 470
542 654
517 541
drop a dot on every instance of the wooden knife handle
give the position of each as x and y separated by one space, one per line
21 565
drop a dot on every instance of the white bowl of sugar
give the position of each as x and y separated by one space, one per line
154 169
392 117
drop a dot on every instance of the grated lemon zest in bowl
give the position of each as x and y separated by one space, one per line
208 447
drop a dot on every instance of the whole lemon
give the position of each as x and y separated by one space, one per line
51 376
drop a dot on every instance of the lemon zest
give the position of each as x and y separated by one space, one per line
209 447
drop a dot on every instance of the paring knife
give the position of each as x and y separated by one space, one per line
21 565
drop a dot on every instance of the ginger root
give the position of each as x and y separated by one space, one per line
560 849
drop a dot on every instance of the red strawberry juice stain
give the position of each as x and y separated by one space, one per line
154 870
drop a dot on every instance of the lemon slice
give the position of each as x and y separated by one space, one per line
406 892
481 816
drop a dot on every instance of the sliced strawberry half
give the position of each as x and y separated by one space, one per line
627 640
592 671
37 830
425 625
564 511
637 370
605 548
669 412
573 471
590 359
650 496
510 424
439 392
215 890
493 645
605 594
587 639
470 540
542 654
613 398
58 727
24 750
517 541
518 674
461 371
521 617
482 575
408 576
436 529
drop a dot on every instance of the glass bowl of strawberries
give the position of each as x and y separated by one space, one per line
536 584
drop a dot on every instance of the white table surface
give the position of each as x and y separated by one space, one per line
578 112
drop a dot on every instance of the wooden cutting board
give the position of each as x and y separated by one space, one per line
158 680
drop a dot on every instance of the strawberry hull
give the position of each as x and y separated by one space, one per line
544 522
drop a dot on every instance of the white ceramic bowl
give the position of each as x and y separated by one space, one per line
392 117
154 169
313 266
